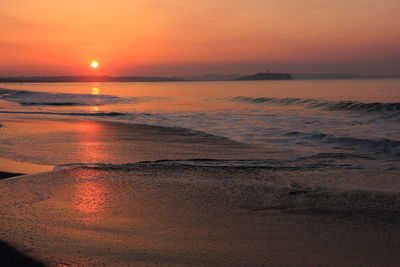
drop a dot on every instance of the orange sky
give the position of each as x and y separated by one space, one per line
182 37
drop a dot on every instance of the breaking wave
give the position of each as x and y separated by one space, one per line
96 114
387 108
377 146
296 164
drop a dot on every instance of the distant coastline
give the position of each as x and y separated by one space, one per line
212 77
206 77
62 79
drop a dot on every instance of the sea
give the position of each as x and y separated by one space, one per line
336 119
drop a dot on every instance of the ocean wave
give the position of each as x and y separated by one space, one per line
377 146
300 164
95 114
387 108
30 98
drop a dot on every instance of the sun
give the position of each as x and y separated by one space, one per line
94 64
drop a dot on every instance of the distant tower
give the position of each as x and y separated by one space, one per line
267 70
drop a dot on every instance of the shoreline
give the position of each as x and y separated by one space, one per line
9 168
215 202
71 141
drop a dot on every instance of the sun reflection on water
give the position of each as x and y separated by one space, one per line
95 91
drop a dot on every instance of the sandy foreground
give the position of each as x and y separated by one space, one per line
193 212
142 215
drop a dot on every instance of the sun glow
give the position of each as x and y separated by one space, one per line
94 64
95 91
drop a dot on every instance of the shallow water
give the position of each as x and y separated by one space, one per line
358 117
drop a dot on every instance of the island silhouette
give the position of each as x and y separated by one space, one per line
265 76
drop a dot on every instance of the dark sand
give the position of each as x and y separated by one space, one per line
190 213
10 257
4 175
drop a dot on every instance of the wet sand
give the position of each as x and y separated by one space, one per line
53 142
179 215
223 212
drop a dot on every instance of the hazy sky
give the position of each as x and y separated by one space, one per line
185 37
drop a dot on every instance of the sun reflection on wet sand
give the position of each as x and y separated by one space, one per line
88 127
90 193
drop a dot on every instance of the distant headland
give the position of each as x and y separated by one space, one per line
265 76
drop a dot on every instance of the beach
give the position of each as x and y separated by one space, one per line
199 133
149 216
114 190
239 211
